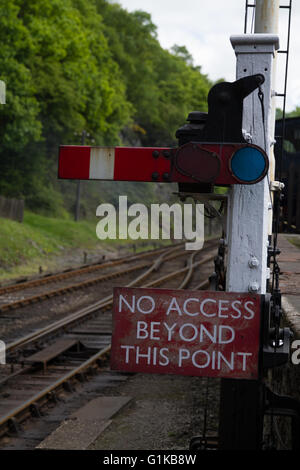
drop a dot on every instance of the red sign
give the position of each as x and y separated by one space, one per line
200 333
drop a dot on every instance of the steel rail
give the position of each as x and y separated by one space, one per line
82 270
103 303
202 285
191 265
167 277
106 302
188 276
38 396
79 285
63 290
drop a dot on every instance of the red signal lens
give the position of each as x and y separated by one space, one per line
197 162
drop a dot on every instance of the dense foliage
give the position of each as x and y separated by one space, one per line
74 65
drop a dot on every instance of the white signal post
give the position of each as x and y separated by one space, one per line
251 206
249 223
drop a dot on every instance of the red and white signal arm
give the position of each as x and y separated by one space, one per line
220 164
196 333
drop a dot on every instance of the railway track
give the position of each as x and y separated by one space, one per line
21 294
36 311
47 360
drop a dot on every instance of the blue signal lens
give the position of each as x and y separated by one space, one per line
248 164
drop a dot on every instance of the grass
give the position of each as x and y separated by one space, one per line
51 243
24 246
40 240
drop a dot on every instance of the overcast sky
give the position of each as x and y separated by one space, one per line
205 26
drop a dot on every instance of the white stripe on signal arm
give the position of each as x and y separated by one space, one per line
102 163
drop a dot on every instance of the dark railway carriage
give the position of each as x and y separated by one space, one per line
290 172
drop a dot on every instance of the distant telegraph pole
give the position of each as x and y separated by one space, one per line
2 92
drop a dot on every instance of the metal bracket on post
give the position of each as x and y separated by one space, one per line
218 278
276 340
274 356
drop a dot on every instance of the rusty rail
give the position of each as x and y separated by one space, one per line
20 410
82 270
80 285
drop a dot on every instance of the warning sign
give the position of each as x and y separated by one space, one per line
200 333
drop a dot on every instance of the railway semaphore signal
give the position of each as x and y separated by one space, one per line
213 150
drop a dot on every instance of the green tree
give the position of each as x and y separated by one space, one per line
163 86
73 65
60 78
